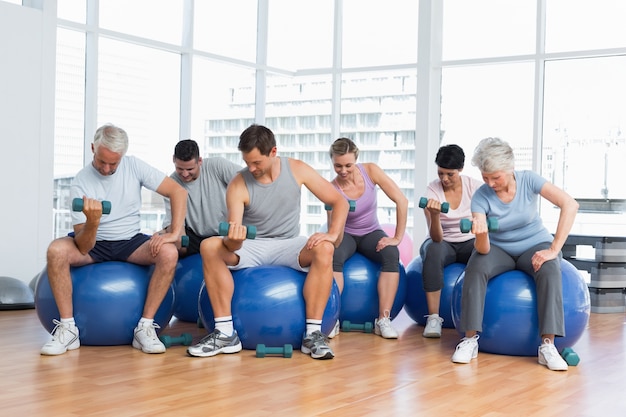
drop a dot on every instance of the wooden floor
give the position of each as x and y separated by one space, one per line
369 376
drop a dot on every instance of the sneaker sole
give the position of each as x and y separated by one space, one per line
432 335
463 361
138 346
474 356
328 355
225 349
378 333
544 363
49 353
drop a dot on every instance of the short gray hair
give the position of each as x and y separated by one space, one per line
111 137
493 154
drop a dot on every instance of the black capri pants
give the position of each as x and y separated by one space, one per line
389 257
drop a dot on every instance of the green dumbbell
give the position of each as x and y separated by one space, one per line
77 205
466 225
570 356
351 202
250 232
366 327
183 339
445 206
184 241
285 351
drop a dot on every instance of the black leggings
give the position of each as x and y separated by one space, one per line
389 257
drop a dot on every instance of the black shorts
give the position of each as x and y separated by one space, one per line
194 242
116 250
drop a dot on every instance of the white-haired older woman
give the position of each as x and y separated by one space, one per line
521 242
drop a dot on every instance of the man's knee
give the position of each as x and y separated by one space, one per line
168 255
324 250
58 250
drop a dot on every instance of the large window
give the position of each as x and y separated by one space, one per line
494 100
207 70
583 137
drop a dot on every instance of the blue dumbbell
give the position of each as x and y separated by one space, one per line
466 225
224 227
77 205
445 206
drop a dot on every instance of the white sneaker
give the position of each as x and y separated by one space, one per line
466 350
549 356
146 340
383 327
64 337
433 326
335 331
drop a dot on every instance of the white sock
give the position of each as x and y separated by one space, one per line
69 321
313 325
145 322
225 325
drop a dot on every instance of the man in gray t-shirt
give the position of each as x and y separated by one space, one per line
205 181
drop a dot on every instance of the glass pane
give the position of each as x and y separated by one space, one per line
482 101
143 101
581 25
486 28
226 28
161 20
222 107
379 33
378 114
298 111
70 103
300 34
69 122
584 141
75 10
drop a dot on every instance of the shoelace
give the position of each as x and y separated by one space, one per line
384 323
429 319
466 343
151 330
549 351
211 338
57 324
318 337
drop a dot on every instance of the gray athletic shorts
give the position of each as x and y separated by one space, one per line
255 252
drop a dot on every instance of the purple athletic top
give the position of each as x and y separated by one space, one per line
364 218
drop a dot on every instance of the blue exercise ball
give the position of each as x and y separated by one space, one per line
108 300
359 299
510 321
268 306
188 280
415 304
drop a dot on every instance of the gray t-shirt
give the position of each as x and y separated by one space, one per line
206 202
274 208
122 189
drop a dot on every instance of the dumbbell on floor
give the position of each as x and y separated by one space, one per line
224 227
570 356
77 205
351 202
285 351
183 339
466 225
366 327
445 206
